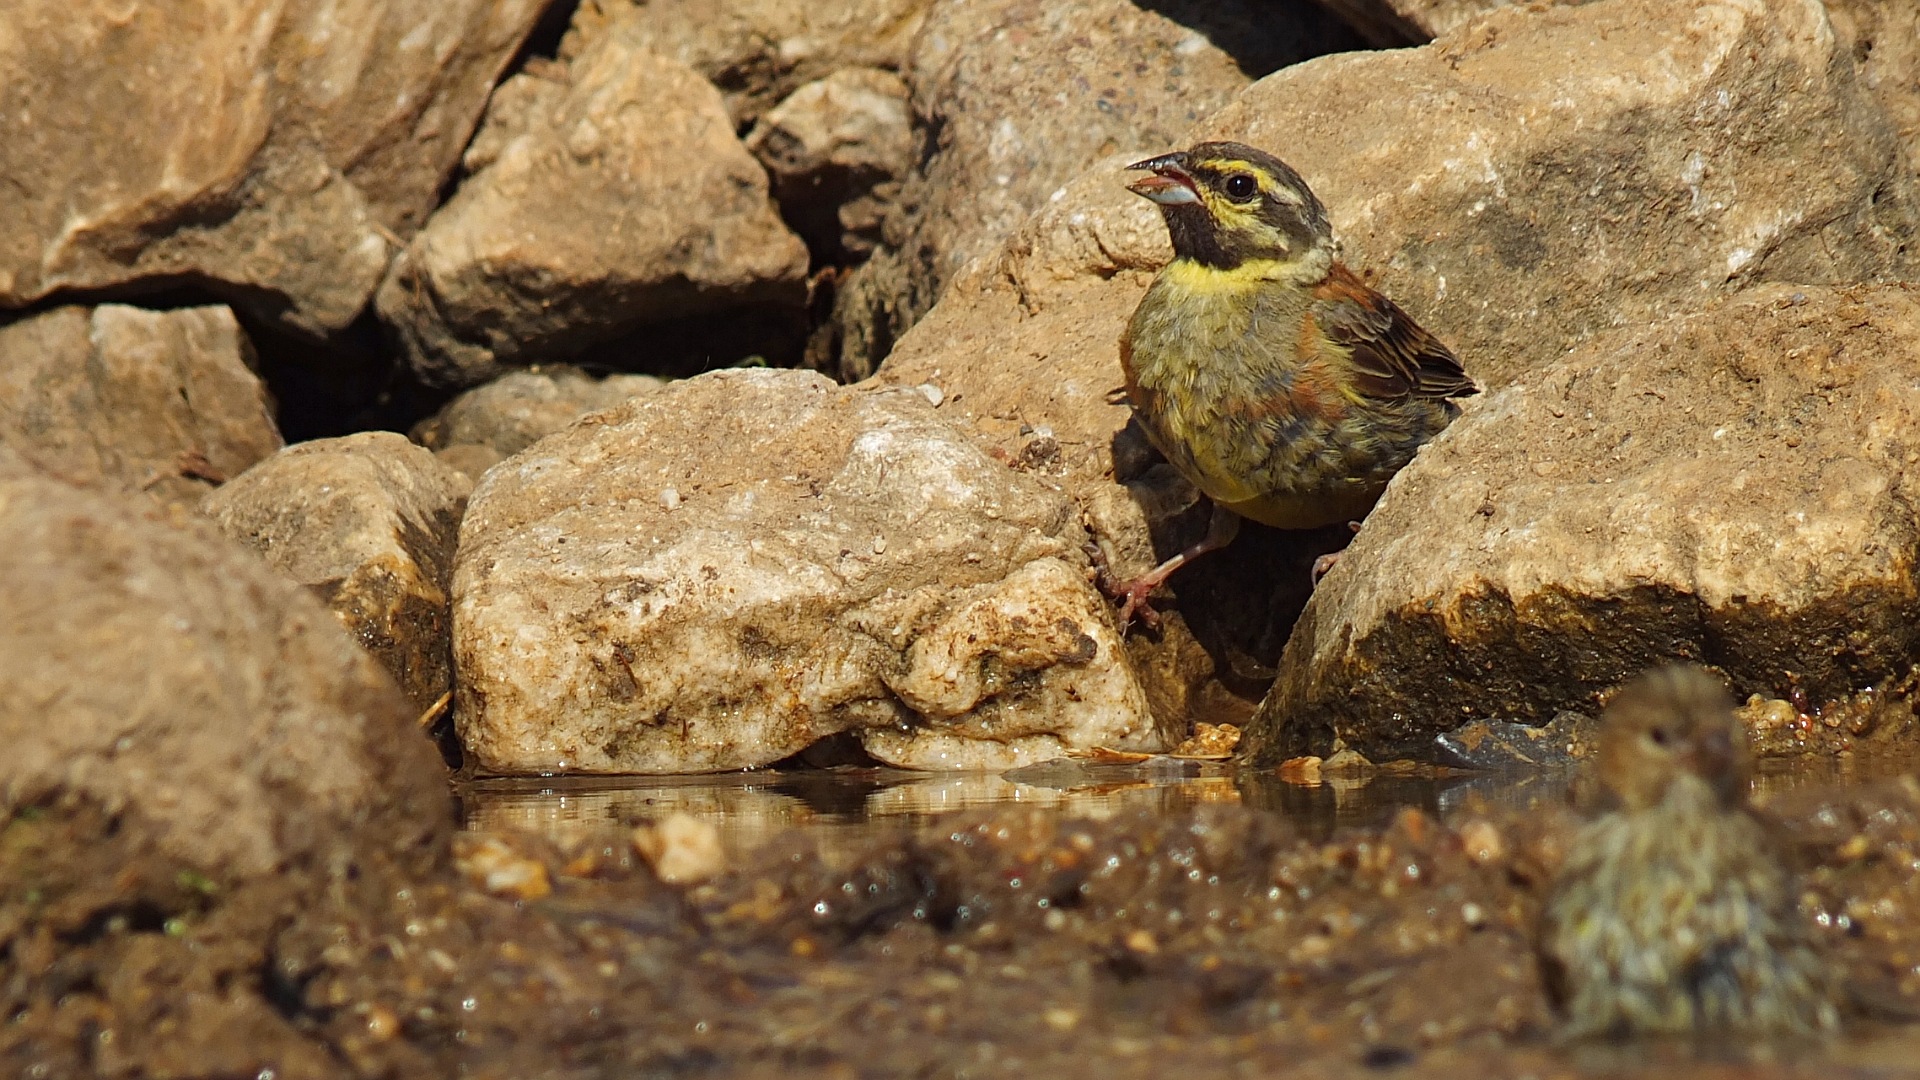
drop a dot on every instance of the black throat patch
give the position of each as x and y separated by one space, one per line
1196 237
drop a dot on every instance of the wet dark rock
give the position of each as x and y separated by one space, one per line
368 522
162 402
1731 487
1566 740
830 559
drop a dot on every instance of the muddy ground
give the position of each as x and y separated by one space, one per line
1217 939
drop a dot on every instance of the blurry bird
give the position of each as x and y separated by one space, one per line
1269 374
1674 912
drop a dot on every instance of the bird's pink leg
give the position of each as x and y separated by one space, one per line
1133 595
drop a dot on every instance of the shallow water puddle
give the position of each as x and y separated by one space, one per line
751 808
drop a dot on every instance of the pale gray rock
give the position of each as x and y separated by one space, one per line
830 559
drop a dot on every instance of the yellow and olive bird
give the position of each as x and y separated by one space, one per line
1674 911
1269 374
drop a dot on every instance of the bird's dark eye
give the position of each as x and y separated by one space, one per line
1241 187
1659 736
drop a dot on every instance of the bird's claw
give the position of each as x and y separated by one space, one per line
1136 602
1134 596
1324 564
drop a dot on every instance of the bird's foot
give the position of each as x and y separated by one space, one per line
1133 595
1136 603
1323 564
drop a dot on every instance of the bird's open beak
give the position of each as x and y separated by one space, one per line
1170 185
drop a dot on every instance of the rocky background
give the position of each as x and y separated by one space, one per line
470 259
1670 240
687 385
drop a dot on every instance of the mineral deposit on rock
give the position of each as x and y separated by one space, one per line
829 559
368 522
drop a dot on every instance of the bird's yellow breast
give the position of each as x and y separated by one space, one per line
1258 412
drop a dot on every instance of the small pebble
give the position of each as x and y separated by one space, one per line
682 849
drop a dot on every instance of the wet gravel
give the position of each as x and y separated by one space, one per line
1218 938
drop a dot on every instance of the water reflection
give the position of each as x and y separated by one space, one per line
843 802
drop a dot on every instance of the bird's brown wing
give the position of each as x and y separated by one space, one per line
1392 356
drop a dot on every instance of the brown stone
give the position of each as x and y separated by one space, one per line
836 150
1517 215
1884 40
1090 78
164 402
606 192
368 522
270 150
830 560
520 408
1732 487
759 51
213 706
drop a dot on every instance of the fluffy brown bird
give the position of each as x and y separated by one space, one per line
1674 911
1269 374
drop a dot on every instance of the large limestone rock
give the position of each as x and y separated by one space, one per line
759 51
164 402
1096 77
828 560
215 707
1734 487
368 522
267 148
1515 215
608 191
